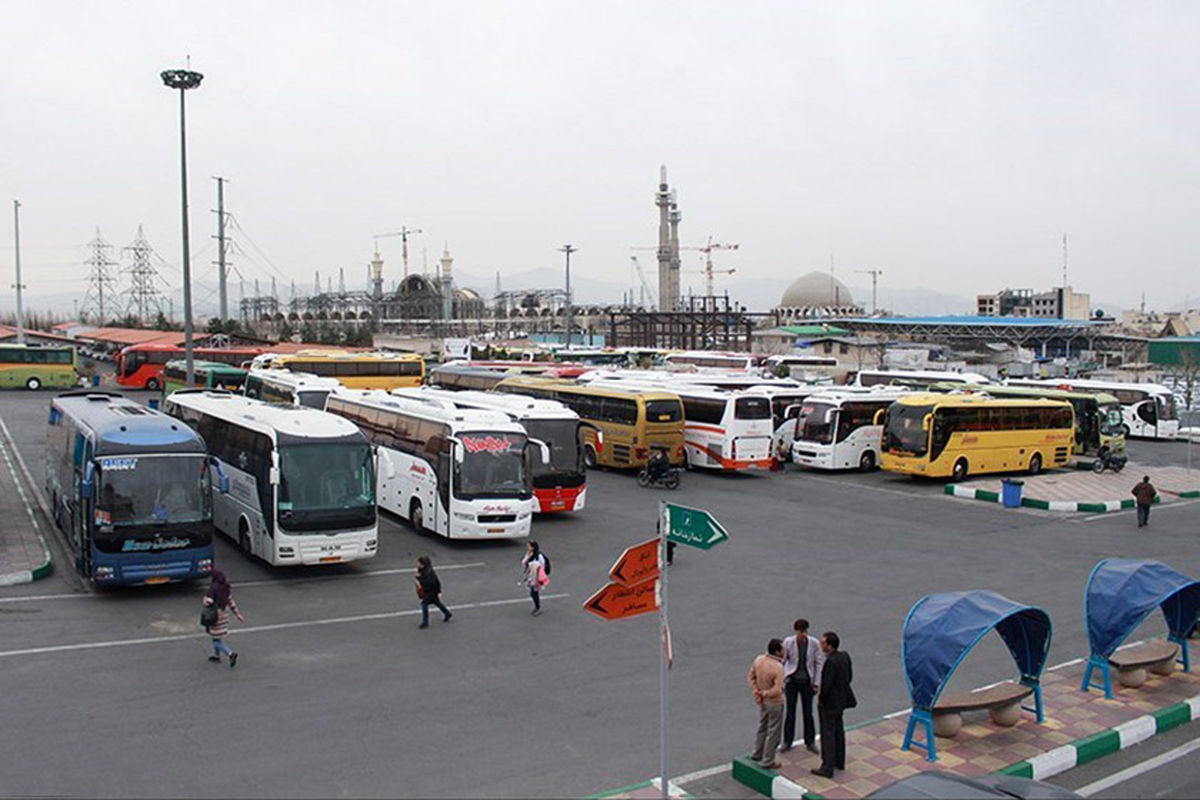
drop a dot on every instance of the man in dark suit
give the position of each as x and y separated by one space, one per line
835 697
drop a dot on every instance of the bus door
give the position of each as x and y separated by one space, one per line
1147 414
81 510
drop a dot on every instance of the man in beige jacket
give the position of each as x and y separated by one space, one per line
766 683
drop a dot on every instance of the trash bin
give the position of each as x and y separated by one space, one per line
1011 494
154 402
95 380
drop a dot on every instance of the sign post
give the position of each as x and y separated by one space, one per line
664 527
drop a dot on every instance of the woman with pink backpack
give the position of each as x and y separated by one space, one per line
537 573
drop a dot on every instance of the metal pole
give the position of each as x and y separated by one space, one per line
664 525
567 321
221 278
17 245
187 262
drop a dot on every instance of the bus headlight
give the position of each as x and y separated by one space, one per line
204 565
372 544
105 573
461 515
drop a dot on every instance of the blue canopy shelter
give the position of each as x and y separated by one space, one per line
1120 593
941 629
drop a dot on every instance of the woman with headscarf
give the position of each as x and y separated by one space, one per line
220 596
534 564
429 591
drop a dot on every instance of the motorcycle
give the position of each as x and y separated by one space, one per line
669 479
1107 459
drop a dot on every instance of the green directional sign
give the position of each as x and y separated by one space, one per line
694 527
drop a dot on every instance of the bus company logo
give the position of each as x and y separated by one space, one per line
491 509
157 543
970 439
486 444
417 468
118 464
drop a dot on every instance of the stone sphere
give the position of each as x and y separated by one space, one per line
1133 678
947 725
1007 715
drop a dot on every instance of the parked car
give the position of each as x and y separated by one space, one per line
947 786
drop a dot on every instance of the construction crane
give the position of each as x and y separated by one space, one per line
403 233
874 273
707 270
646 291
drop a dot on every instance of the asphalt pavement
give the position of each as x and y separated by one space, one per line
339 693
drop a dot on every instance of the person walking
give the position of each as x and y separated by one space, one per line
834 698
429 590
534 577
766 684
1144 493
802 662
220 597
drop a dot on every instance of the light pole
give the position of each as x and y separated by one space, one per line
568 249
17 245
184 79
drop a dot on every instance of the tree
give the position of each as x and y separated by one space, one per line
161 322
286 331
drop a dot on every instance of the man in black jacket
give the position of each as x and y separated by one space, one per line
835 697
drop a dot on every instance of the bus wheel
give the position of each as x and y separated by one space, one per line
1125 431
960 470
867 462
589 457
1035 464
33 384
152 385
417 517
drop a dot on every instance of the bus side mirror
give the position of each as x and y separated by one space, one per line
87 488
543 449
925 421
273 475
389 469
222 478
456 447
878 419
829 415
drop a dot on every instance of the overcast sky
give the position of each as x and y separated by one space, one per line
950 144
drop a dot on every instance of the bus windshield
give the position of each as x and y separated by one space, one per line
1111 421
562 437
326 485
663 411
816 422
146 490
313 398
903 429
1166 408
752 408
493 465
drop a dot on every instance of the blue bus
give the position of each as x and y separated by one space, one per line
130 488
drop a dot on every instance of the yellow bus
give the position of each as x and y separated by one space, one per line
35 367
633 421
940 436
385 371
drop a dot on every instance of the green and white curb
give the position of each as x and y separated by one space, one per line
1106 742
767 781
1091 507
673 790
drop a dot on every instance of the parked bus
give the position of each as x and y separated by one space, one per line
460 375
385 371
1148 409
1098 420
559 484
289 388
205 375
460 473
140 366
719 380
35 367
914 378
704 359
632 421
836 429
723 429
302 482
955 435
129 486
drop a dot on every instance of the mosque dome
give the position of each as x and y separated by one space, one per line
816 290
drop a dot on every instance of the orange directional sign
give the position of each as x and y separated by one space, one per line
615 601
636 564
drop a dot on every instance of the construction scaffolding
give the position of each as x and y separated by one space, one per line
704 323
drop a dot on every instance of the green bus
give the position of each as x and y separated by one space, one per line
207 375
34 367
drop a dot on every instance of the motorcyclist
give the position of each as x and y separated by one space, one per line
658 464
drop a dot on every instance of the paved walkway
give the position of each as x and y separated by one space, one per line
874 757
1085 486
24 556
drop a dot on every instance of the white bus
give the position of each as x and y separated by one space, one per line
561 484
460 473
1148 410
301 482
289 388
723 429
836 429
916 378
705 359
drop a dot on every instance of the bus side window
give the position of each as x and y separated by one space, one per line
78 457
260 468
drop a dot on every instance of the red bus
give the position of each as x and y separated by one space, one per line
140 366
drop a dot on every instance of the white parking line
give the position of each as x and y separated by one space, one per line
63 648
241 584
1142 768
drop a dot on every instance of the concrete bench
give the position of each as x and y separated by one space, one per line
1157 655
1002 701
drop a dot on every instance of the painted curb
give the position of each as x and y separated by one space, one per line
1092 507
768 782
673 789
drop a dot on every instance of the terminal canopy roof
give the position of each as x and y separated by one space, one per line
1121 592
942 628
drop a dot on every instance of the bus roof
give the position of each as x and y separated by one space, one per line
562 385
515 405
436 409
1054 393
667 378
925 374
294 380
960 400
342 355
211 366
1088 383
295 421
120 425
686 389
847 394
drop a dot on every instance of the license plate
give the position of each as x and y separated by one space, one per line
330 559
157 579
558 505
495 530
